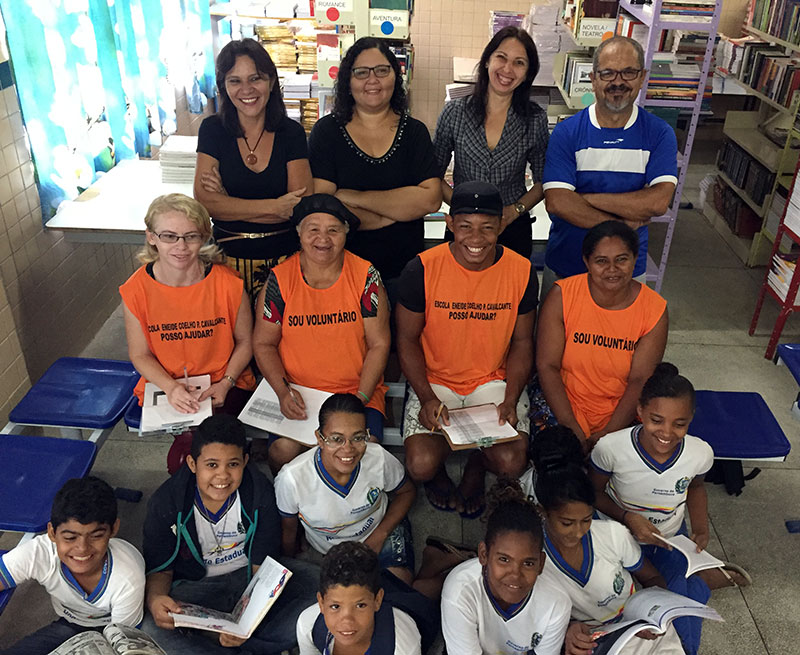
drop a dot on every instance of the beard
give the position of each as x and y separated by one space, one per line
621 105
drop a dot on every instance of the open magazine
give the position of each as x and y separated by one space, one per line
651 609
115 639
260 595
696 561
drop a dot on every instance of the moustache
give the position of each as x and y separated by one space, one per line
613 88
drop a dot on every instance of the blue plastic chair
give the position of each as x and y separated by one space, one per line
133 415
789 355
739 425
77 394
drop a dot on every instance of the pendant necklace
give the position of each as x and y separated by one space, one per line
251 159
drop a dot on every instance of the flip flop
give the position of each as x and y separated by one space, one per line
466 500
434 493
735 568
462 551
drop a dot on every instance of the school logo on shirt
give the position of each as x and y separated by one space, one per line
240 528
681 485
619 583
535 639
373 495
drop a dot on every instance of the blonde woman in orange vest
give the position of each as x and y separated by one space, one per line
186 313
324 321
600 336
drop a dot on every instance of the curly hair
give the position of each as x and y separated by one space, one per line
348 564
85 500
210 253
343 101
508 510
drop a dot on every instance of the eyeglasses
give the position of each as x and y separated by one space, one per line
628 74
171 237
362 72
337 440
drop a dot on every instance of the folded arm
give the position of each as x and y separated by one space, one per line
639 206
406 203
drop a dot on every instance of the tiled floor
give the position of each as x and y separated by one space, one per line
711 298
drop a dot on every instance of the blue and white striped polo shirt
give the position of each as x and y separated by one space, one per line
587 158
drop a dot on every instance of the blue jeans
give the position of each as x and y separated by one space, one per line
47 638
398 549
672 565
276 632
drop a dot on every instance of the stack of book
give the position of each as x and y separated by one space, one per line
278 40
745 172
632 28
697 11
309 113
738 216
306 45
178 157
780 275
670 80
781 18
729 52
762 66
577 67
500 19
457 90
792 218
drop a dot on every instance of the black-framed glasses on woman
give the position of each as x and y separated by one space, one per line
171 237
362 72
336 440
627 74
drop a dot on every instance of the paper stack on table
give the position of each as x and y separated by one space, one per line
178 157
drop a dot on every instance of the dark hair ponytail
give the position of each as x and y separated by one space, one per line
508 510
347 403
560 474
666 382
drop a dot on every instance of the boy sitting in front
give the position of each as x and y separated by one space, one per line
350 615
92 578
207 529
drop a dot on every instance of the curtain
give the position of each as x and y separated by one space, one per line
97 81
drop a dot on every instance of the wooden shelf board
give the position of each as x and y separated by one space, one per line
756 144
758 209
772 39
751 91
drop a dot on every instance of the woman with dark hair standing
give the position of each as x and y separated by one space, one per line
252 164
497 131
376 159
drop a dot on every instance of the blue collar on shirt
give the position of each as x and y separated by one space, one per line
582 576
327 478
102 584
383 634
207 514
649 461
513 610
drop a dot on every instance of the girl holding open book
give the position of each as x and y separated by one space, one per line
647 476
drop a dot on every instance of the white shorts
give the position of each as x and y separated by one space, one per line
493 391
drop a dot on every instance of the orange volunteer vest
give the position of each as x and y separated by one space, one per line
322 330
188 326
469 317
599 348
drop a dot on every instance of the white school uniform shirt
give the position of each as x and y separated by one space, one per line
331 513
527 481
474 624
603 584
221 535
118 597
640 484
406 635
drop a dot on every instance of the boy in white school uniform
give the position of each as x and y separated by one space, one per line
93 579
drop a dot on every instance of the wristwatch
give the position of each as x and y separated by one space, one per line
520 208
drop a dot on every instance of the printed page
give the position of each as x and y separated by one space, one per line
203 618
659 607
697 561
130 641
85 643
263 411
476 425
158 415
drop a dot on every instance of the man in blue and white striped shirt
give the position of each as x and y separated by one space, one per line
611 160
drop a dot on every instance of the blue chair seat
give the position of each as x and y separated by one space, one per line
5 596
789 354
739 425
75 392
34 469
133 414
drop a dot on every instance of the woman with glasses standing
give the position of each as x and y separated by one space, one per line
340 490
324 321
186 313
497 131
252 164
376 159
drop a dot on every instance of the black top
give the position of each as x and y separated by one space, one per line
240 182
411 290
409 161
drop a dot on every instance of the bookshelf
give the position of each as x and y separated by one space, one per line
782 277
766 67
648 23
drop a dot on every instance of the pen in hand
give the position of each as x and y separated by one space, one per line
436 425
186 379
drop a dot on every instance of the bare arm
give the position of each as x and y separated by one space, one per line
518 366
379 340
369 220
158 601
574 208
697 505
398 508
530 199
412 363
266 337
639 205
447 192
406 203
289 535
550 343
649 352
641 529
209 192
240 356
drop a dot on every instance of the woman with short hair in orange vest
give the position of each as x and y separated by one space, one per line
186 313
324 321
600 337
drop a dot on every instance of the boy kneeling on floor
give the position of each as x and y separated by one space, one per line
351 617
207 529
92 578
